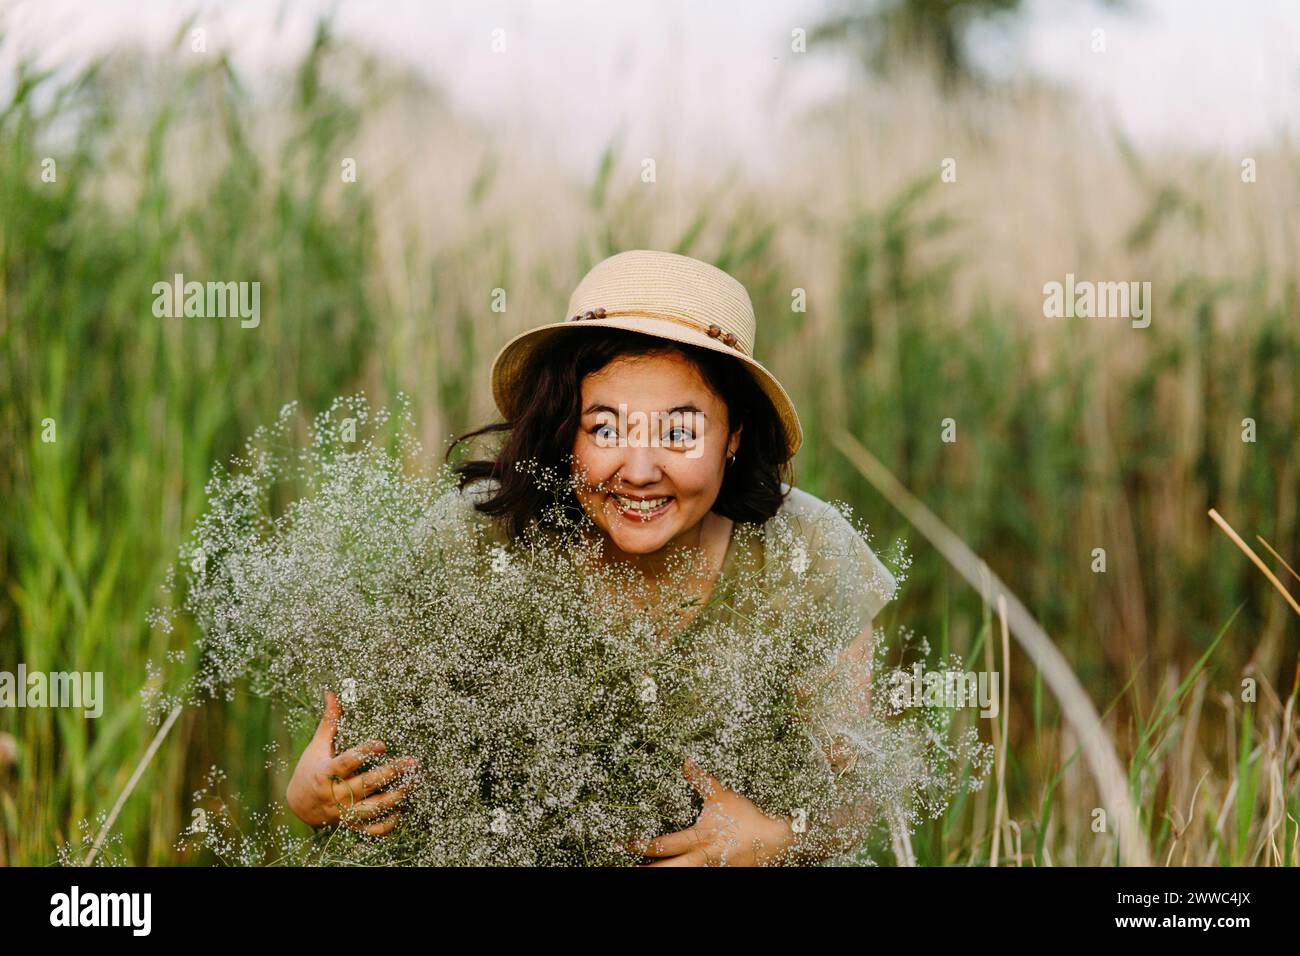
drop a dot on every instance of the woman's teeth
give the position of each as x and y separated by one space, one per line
643 507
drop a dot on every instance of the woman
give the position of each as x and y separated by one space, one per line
650 399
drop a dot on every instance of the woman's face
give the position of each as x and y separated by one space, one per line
653 433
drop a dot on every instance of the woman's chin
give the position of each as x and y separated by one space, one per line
639 540
633 537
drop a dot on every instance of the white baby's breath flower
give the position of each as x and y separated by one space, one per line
518 684
799 559
649 690
500 560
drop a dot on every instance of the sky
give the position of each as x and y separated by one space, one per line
1212 74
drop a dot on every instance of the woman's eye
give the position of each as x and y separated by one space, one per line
686 435
597 431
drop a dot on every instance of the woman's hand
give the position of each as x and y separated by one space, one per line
326 788
731 831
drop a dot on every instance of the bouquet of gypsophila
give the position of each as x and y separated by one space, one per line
547 695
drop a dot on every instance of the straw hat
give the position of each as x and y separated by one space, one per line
661 294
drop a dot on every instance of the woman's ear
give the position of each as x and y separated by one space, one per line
733 443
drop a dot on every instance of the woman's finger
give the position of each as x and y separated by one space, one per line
705 784
329 723
376 806
696 857
380 776
348 762
354 790
379 827
670 844
372 808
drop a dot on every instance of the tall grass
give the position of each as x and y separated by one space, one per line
924 304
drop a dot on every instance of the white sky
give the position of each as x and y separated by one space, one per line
1223 74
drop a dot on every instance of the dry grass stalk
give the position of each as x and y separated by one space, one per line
1076 706
1236 539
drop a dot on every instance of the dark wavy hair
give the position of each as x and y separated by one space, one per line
543 428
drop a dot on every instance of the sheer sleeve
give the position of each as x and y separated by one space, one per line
860 584
830 556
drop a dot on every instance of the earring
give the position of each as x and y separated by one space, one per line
731 460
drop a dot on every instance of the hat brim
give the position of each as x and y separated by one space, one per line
511 360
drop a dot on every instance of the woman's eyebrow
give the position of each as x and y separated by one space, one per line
592 409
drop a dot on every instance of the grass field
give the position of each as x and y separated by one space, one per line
924 304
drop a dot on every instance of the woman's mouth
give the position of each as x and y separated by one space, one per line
641 511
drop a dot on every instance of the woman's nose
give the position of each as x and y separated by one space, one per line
640 465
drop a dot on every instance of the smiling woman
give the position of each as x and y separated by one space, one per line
692 503
666 341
